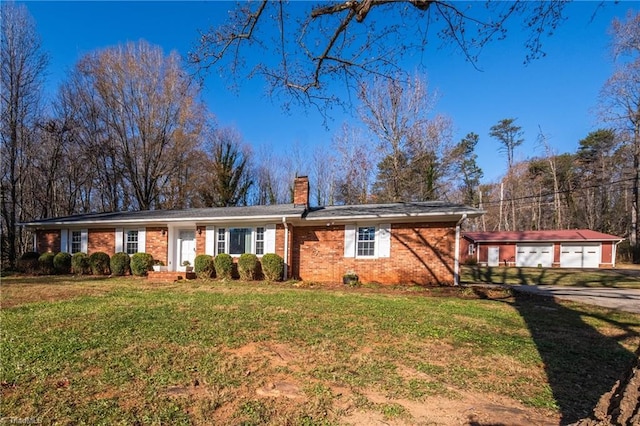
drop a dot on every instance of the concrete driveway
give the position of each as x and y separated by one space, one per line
622 299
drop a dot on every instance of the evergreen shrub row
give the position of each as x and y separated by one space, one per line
98 263
248 268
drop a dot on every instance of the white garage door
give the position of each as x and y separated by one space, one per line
580 255
534 255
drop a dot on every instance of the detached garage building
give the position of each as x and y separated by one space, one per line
579 248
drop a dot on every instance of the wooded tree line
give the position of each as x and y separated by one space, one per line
126 131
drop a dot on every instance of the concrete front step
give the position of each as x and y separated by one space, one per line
170 276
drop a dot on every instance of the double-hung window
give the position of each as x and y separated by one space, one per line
131 242
76 242
370 241
221 241
366 243
260 240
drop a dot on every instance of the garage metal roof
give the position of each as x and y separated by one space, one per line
577 235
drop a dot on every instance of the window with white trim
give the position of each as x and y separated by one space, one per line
76 242
366 242
237 241
260 240
131 241
472 249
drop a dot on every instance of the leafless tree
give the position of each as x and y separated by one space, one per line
413 143
23 64
620 105
314 45
144 108
354 165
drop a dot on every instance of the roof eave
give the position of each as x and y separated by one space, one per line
162 221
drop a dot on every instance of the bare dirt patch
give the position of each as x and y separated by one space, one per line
352 406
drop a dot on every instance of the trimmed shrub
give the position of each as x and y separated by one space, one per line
28 262
224 265
62 263
272 267
248 266
45 262
141 263
80 264
99 262
120 263
204 267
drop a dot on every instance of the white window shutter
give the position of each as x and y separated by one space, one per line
384 240
349 241
210 240
142 240
64 240
119 240
84 240
270 238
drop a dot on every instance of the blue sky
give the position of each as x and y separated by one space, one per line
557 93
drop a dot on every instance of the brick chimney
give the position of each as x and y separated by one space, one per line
301 191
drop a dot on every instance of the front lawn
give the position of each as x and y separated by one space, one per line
126 351
617 278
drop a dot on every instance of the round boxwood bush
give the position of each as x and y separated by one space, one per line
28 262
99 262
272 267
62 263
120 263
46 263
141 263
248 266
224 265
80 264
204 266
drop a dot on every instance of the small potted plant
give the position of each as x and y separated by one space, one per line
158 265
187 266
350 278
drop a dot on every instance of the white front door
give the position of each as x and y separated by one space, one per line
186 247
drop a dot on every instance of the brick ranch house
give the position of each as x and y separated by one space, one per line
578 248
386 243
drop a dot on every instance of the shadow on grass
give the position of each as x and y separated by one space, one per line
580 362
613 278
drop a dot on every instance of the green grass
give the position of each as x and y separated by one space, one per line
124 351
616 278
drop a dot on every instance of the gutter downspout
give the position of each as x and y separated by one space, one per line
286 249
456 255
614 251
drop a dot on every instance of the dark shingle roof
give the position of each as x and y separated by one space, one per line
392 210
201 214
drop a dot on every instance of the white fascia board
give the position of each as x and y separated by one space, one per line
432 217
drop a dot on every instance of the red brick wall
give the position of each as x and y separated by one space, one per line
103 239
420 254
48 241
201 239
301 191
157 244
